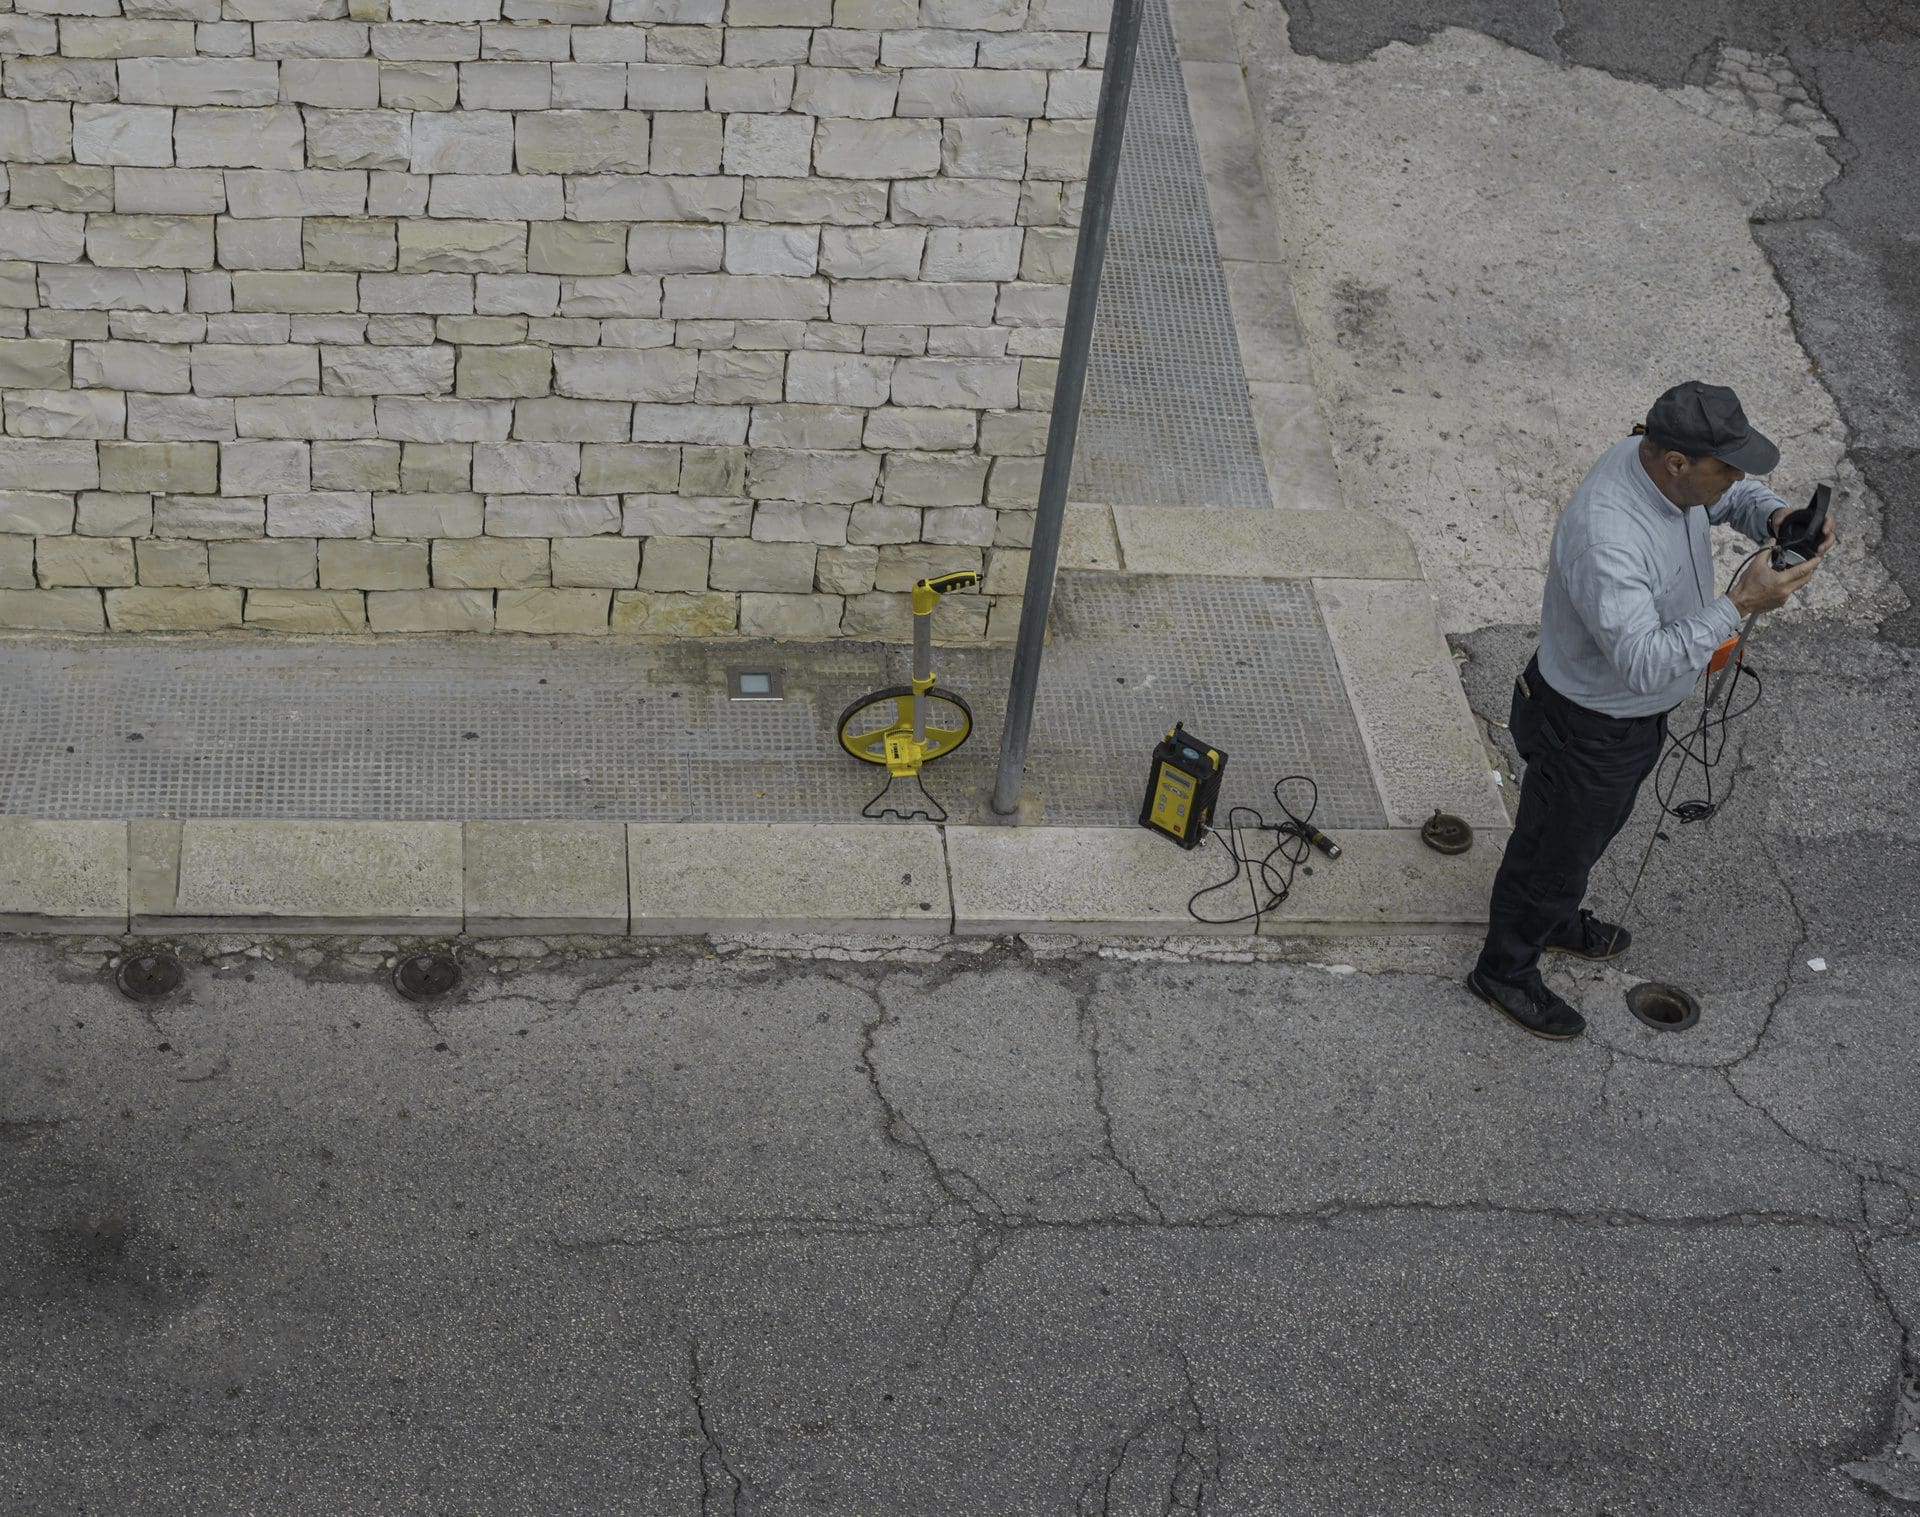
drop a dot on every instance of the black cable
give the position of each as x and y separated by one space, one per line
1292 844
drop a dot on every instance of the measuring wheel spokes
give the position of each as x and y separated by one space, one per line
865 725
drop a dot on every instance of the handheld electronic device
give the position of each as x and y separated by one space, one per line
1182 786
1807 531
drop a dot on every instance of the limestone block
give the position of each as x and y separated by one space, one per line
30 36
342 83
823 202
132 135
629 468
356 465
646 374
419 86
1033 49
902 565
647 613
768 146
609 563
430 610
238 139
790 521
255 369
428 419
617 296
577 247
845 570
100 514
884 524
61 186
1073 93
928 48
840 478
35 513
209 516
630 197
936 479
463 247
1059 149
972 253
749 89
742 563
33 363
675 249
42 236
51 611
890 148
781 250
579 142
66 413
827 428
733 378
526 468
975 15
589 86
516 294
64 562
779 12
490 563
435 468
349 243
390 371
273 243
187 467
465 142
744 297
321 513
1014 483
970 92
791 618
255 193
920 429
503 372
144 609
552 611
839 379
947 382
299 36
713 471
675 564
306 294
506 86
892 253
685 516
199 81
255 468
306 611
958 202
986 148
348 565
67 877
280 565
845 94
864 302
35 131
1006 571
529 197
552 515
163 561
416 294
360 140
974 525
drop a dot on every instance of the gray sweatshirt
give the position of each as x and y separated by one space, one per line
1631 614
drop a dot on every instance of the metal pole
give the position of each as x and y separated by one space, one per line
1083 300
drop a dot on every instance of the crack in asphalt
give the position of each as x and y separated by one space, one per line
712 1451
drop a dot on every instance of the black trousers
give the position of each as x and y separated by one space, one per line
1583 772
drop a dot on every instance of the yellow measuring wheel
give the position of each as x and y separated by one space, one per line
906 726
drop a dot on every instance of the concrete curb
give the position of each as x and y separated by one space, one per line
490 878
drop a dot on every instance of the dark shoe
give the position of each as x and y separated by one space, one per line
1534 1007
1591 939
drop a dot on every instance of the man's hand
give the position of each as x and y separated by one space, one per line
1761 587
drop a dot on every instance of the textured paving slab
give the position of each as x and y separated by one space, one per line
62 876
701 878
518 729
306 876
1255 544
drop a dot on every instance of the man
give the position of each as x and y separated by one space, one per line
1630 619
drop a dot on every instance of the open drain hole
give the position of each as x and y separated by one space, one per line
1664 1008
427 976
149 976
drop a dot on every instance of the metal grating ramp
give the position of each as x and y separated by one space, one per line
1166 421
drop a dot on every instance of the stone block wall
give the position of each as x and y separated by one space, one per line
644 316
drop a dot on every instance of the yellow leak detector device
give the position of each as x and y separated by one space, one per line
1182 787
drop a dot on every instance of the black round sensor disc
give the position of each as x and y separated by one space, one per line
149 976
1664 1008
427 976
1445 833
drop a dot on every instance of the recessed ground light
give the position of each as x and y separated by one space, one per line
756 685
1664 1008
427 976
